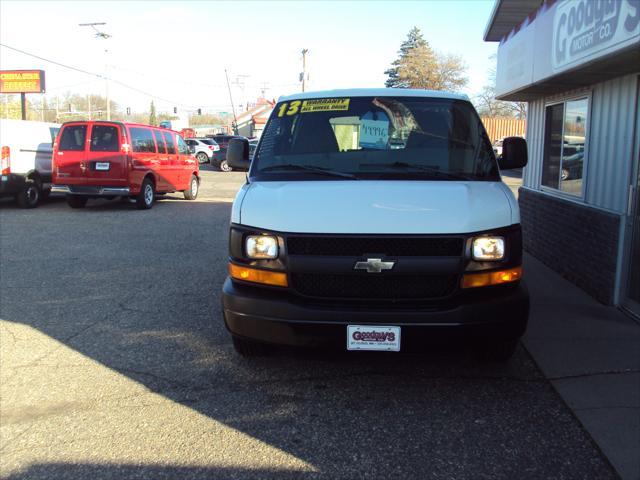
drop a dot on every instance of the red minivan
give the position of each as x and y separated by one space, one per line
108 159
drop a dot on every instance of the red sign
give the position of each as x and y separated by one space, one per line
22 81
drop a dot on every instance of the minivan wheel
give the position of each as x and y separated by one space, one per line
202 157
145 198
191 193
29 196
497 350
224 166
76 201
248 348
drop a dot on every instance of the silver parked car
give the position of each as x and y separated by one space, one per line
203 148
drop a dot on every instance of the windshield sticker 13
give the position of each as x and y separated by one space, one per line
315 105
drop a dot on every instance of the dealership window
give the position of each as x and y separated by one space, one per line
565 135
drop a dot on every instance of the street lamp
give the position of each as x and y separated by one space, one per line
104 36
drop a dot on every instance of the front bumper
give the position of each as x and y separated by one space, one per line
11 184
97 191
496 313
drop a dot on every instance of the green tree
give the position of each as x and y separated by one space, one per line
419 66
414 40
152 114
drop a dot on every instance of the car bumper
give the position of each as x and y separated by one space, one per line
265 316
11 184
94 191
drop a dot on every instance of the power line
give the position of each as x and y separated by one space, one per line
98 76
51 61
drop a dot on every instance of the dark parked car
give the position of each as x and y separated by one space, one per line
253 144
219 157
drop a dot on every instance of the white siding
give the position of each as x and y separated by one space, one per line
610 141
613 114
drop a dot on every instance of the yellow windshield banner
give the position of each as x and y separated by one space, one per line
325 105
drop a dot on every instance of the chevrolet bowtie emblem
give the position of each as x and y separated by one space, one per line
374 265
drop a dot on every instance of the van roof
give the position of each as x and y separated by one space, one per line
117 122
374 92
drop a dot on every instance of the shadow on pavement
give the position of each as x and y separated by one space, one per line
141 297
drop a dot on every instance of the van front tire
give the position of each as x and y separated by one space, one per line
191 193
29 195
76 201
144 200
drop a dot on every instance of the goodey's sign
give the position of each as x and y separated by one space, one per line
586 26
564 35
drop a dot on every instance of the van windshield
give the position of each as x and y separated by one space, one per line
374 138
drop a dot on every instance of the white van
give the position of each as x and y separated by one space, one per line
375 220
26 149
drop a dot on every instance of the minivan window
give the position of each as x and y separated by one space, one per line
142 140
182 147
160 141
375 138
208 141
73 138
171 147
104 138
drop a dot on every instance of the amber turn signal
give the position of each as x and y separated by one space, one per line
472 280
254 275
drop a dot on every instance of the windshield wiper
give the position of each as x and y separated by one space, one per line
427 168
309 168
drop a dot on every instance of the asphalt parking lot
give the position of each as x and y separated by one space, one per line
115 363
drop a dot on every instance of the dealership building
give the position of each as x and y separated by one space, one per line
577 65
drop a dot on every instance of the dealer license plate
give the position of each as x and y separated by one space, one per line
103 166
367 337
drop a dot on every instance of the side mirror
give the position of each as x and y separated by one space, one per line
514 153
238 154
192 149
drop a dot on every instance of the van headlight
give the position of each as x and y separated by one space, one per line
488 248
261 246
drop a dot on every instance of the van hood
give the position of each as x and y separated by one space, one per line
384 207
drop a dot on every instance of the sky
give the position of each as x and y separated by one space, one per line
176 53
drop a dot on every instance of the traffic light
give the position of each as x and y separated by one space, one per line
175 109
199 111
128 111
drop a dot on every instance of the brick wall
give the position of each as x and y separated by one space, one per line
577 241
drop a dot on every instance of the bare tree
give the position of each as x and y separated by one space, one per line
488 105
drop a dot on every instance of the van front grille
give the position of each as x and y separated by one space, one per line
388 246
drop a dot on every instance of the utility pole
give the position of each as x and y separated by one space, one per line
303 75
104 36
89 105
233 109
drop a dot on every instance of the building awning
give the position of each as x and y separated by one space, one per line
606 68
506 15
